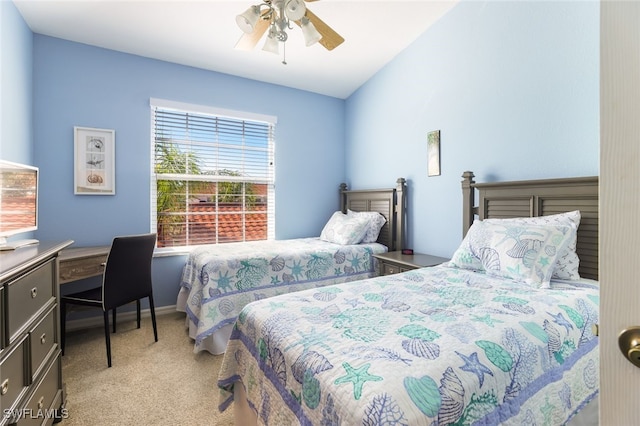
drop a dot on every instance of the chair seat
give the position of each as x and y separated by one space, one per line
89 297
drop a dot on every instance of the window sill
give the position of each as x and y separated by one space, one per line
172 251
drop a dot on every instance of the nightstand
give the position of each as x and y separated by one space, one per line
394 262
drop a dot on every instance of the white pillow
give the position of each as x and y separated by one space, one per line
566 267
521 252
375 222
341 229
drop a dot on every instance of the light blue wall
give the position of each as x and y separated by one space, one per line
80 85
512 86
16 64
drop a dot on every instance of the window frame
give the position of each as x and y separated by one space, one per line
187 108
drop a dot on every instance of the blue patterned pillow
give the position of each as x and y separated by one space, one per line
375 222
566 266
524 253
341 229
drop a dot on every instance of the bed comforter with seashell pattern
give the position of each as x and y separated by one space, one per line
432 346
219 280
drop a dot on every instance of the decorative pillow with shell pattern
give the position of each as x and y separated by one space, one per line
375 223
341 229
566 266
524 253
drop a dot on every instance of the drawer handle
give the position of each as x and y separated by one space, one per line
41 403
34 292
5 387
43 338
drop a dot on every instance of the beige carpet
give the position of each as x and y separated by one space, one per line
149 383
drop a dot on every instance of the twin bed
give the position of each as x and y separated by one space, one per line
219 280
501 334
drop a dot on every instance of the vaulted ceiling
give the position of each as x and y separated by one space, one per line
203 33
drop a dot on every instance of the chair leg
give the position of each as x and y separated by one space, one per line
138 311
153 318
63 324
107 337
113 314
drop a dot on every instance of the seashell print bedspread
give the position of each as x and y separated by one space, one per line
221 279
432 346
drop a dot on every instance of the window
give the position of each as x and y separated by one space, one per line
212 175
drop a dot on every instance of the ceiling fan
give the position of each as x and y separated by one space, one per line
276 17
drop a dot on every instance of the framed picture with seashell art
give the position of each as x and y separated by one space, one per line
94 161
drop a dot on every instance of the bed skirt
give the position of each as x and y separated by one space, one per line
215 343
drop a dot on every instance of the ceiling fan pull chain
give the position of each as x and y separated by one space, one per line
284 53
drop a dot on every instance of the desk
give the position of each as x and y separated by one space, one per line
81 262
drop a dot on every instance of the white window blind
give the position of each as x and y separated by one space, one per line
213 175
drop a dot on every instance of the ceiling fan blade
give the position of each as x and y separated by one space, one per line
330 39
249 41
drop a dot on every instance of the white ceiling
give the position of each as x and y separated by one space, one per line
202 34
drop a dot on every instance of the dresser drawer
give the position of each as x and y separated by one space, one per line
389 269
12 374
2 309
42 341
26 296
44 403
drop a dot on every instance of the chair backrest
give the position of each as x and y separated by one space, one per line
127 274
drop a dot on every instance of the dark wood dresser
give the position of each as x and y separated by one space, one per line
31 390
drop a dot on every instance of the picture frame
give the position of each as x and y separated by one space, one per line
433 153
94 161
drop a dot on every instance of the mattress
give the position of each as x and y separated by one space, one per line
431 346
219 280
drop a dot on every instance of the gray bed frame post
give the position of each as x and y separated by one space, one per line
343 197
468 201
400 212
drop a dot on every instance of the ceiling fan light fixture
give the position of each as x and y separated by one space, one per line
309 31
276 19
271 44
247 20
295 9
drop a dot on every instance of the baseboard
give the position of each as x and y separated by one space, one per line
98 321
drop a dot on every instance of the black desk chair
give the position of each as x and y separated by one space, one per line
126 278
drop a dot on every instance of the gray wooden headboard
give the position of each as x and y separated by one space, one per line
530 198
388 202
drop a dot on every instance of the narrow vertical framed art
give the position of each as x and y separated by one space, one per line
94 161
433 153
